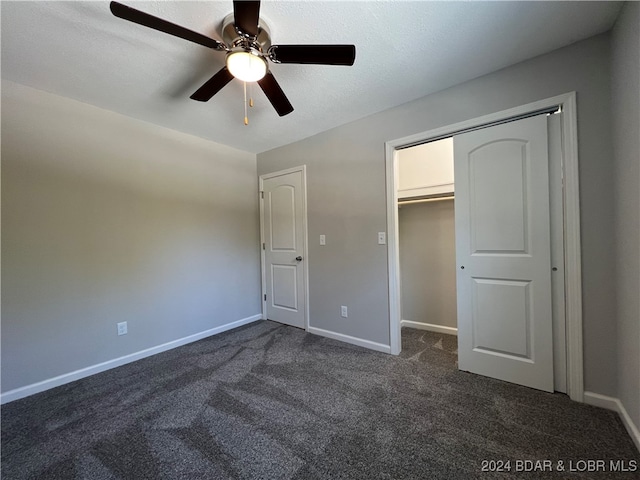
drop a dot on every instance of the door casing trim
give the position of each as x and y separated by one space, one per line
572 241
305 241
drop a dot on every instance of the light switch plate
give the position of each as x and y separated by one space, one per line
382 238
323 240
122 328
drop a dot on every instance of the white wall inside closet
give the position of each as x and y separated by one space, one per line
427 237
426 169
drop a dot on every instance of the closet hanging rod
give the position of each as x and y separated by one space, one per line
424 200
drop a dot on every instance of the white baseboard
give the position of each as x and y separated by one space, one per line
379 347
429 326
612 403
38 387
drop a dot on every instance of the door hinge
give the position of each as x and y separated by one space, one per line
265 297
261 194
263 247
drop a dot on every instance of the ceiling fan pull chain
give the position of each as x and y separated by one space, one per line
246 118
251 95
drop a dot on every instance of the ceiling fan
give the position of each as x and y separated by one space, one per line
247 44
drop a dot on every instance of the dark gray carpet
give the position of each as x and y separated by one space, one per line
266 401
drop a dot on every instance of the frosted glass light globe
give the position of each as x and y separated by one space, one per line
246 66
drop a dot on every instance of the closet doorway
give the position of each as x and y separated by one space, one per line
502 291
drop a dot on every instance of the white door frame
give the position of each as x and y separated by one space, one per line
573 268
305 245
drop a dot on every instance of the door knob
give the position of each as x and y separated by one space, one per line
298 259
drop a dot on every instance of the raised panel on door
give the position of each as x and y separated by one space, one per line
501 317
498 204
283 223
503 253
284 289
282 205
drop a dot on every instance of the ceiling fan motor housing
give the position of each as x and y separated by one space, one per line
235 38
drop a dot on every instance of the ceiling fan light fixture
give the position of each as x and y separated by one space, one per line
248 48
246 66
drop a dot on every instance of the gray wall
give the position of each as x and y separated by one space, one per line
428 263
107 219
346 194
626 135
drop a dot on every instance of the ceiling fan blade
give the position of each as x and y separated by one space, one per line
246 15
275 94
313 54
212 86
141 18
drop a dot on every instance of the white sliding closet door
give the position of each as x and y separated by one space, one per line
503 252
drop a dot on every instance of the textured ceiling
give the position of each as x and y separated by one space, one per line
405 50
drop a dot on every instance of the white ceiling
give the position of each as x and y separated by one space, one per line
405 50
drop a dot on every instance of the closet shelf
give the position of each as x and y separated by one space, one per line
409 201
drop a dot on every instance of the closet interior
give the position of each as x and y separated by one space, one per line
427 236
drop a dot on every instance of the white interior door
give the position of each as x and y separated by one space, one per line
284 240
503 253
